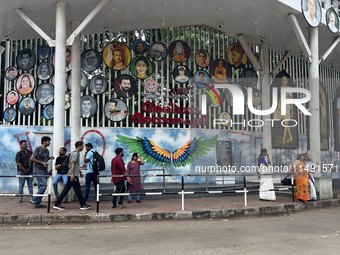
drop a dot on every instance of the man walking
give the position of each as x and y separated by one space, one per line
73 179
22 158
91 176
118 168
40 167
62 171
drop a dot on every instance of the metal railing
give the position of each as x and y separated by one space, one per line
48 195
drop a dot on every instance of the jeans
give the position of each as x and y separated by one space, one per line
137 196
22 183
76 187
90 177
56 180
120 188
42 185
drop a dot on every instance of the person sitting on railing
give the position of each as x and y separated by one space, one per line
133 168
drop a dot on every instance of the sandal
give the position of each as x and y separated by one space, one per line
20 201
40 206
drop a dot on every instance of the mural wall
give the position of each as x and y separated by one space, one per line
174 142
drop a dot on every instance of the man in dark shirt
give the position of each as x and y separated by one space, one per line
40 167
22 158
62 171
118 168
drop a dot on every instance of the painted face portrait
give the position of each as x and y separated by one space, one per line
90 60
141 67
12 97
311 10
88 107
225 118
139 46
202 79
48 112
237 56
25 84
125 86
257 97
202 58
44 71
98 85
10 114
11 73
181 74
158 51
179 51
26 59
68 58
220 71
249 77
26 106
45 93
115 110
67 100
44 52
117 55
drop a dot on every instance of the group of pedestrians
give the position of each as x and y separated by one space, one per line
36 163
303 178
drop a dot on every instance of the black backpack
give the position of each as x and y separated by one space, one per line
98 163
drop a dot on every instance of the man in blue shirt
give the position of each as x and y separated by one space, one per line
91 176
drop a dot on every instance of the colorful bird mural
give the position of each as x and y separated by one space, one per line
189 152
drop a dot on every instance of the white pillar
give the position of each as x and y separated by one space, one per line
265 89
328 4
75 89
60 79
314 119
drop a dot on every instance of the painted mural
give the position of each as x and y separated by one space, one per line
245 149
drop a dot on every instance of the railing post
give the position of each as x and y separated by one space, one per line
164 177
182 193
49 194
245 191
206 177
97 195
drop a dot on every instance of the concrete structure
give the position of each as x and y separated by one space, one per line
277 27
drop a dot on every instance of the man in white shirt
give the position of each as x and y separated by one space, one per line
310 13
331 23
86 108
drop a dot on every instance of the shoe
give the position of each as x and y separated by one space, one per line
138 201
65 201
121 205
40 206
84 207
116 208
129 202
20 201
58 207
32 202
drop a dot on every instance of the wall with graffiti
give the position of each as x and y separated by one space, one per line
181 150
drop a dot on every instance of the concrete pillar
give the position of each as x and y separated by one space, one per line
314 119
75 89
265 89
328 4
60 79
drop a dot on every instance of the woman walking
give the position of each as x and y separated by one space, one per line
133 168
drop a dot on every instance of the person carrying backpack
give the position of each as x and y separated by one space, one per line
73 179
91 175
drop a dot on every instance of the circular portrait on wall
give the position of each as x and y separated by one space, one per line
88 107
236 55
12 97
11 73
44 93
117 56
202 58
332 20
249 77
216 97
25 83
181 74
229 96
98 85
83 81
225 118
311 10
202 79
67 100
44 52
139 46
90 60
158 51
26 105
141 67
257 97
68 58
10 114
125 86
220 71
26 59
45 71
115 110
48 112
179 51
151 86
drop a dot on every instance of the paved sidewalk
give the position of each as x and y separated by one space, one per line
209 207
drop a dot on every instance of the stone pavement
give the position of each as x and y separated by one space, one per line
195 208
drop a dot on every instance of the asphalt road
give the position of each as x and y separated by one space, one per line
309 232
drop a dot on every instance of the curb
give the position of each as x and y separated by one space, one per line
175 215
